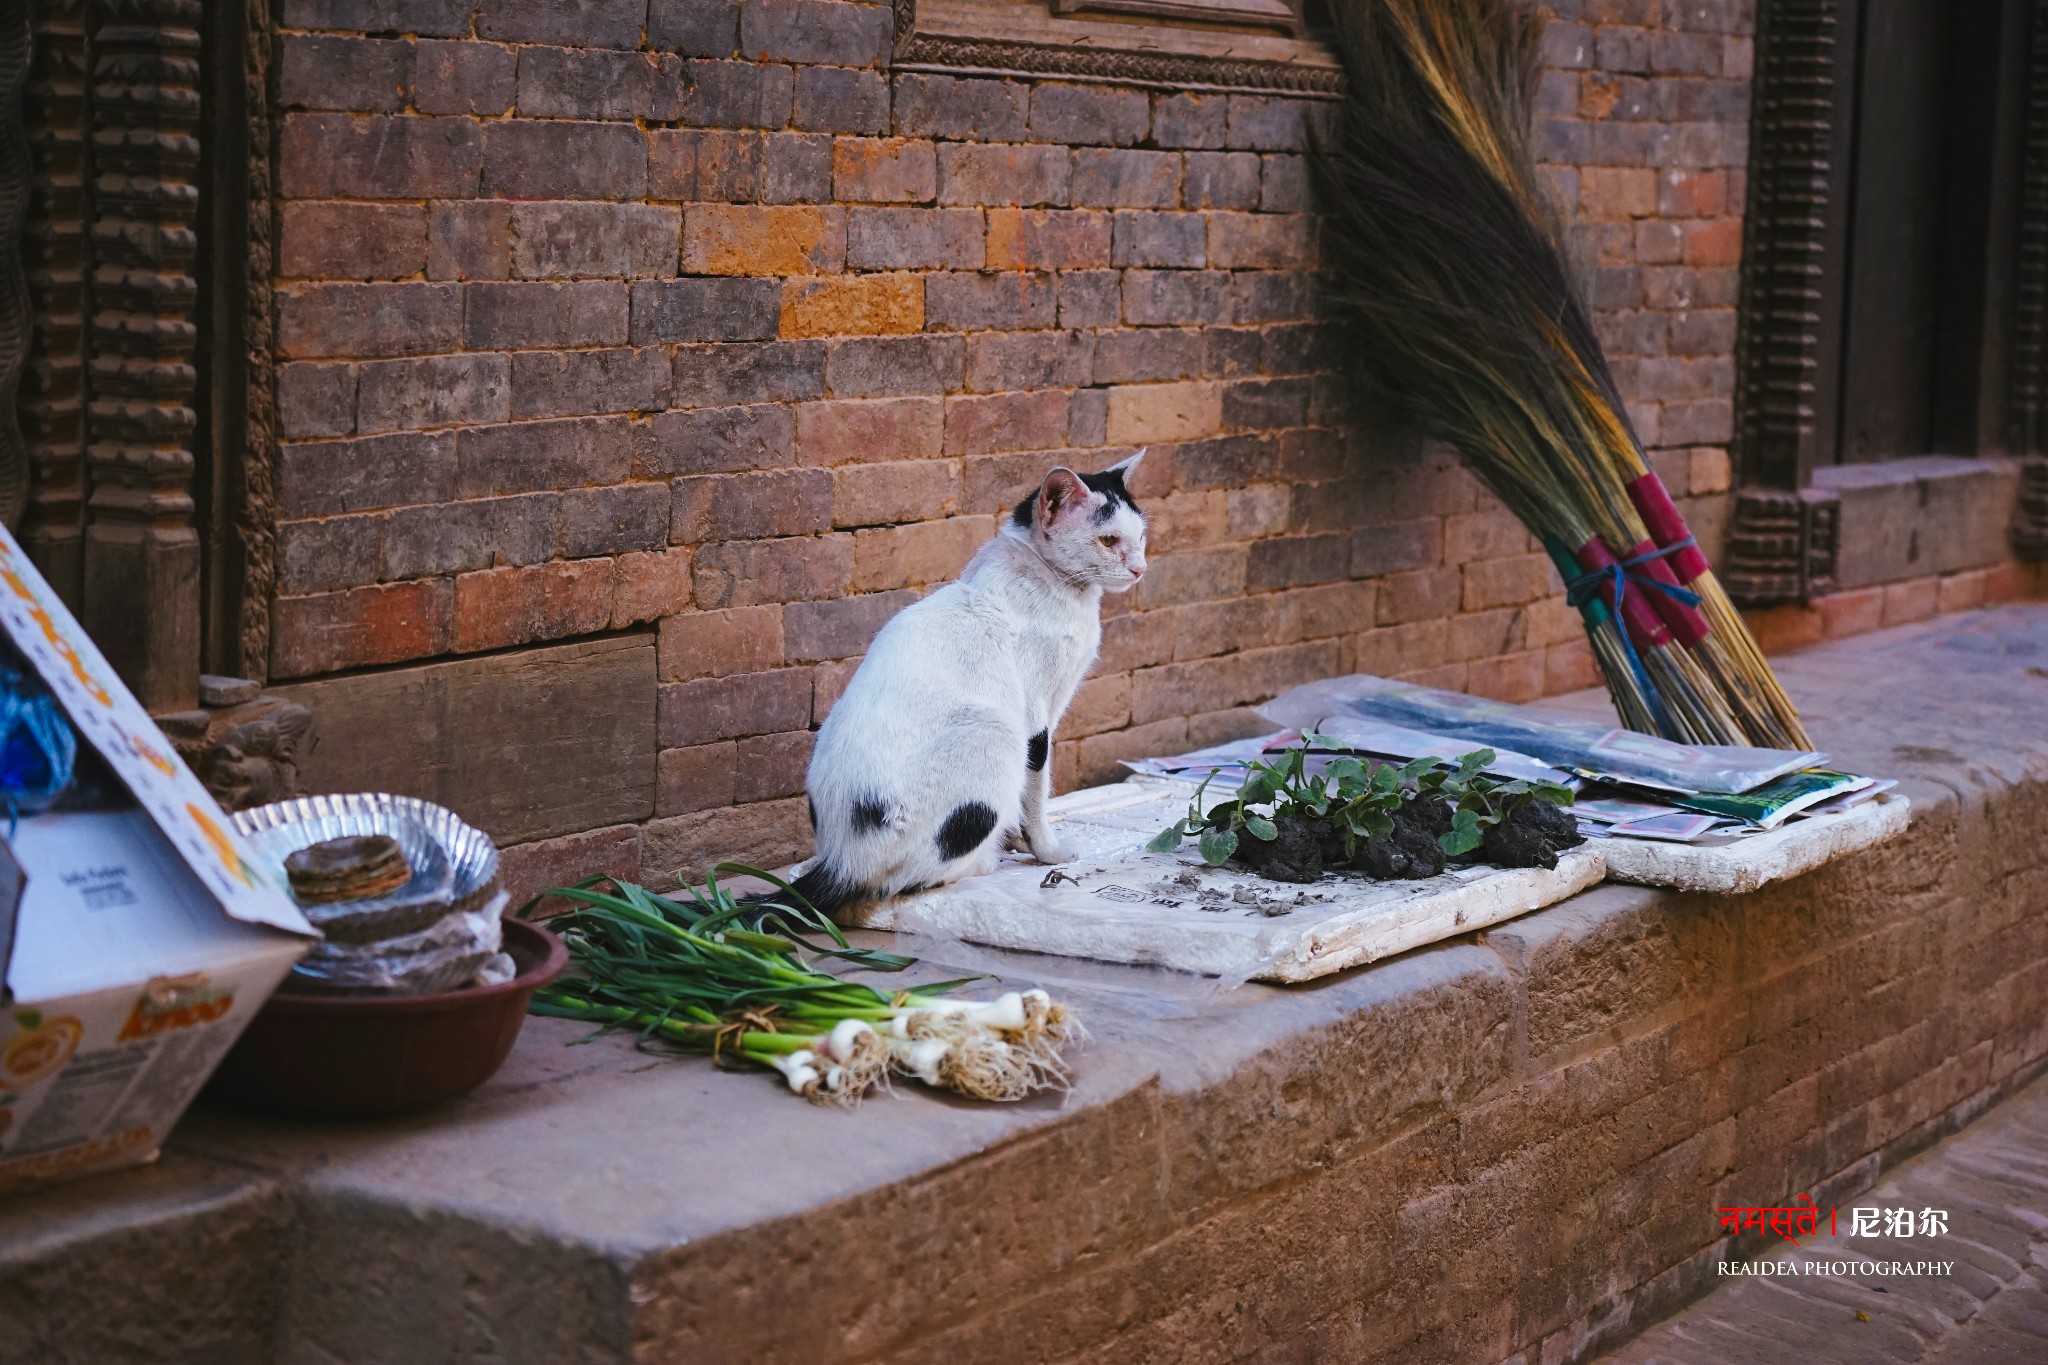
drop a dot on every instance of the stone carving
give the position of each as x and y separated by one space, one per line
2030 516
243 745
1782 546
1788 233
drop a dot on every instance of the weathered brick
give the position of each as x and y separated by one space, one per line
706 710
1126 356
1139 413
694 28
499 607
1186 576
922 553
699 777
736 95
1190 120
759 372
1160 297
368 319
774 502
1090 298
514 316
840 629
1161 239
319 556
1047 239
339 156
526 870
761 834
906 490
704 164
564 159
1265 123
815 32
715 644
1271 295
366 75
705 310
1265 404
884 170
1102 178
772 765
465 77
1088 113
998 361
734 239
884 367
1617 191
1393 548
529 456
796 168
997 173
1507 582
469 241
745 573
1226 462
713 440
573 23
842 305
564 240
481 533
315 400
650 585
580 383
949 107
433 391
971 302
434 18
984 423
575 83
1261 241
1289 561
321 478
868 429
382 624
932 239
835 99
1284 185
609 521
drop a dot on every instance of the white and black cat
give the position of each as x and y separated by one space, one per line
940 745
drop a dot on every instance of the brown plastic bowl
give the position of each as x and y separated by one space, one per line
373 1056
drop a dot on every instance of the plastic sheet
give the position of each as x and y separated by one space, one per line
441 957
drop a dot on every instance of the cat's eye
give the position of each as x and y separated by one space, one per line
1107 540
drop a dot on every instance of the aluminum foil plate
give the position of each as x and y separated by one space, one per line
454 865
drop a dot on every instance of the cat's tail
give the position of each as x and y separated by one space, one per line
821 886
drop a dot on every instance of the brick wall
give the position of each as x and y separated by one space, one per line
686 315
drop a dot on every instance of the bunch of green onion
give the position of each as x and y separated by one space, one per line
709 974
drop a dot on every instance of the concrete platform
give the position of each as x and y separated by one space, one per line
1510 1143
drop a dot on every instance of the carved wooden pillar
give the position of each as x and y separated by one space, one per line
141 548
51 399
15 322
2027 394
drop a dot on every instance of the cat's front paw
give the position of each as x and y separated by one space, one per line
1050 850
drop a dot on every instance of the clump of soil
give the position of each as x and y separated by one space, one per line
1531 836
1295 855
1410 850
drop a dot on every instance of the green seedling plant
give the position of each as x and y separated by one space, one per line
1478 802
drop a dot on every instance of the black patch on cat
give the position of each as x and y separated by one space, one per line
970 823
1035 750
1109 483
811 808
824 888
869 815
1022 516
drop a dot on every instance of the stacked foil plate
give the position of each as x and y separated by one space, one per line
435 932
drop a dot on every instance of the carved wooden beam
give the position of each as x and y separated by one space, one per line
1782 546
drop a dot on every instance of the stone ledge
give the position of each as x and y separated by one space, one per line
1513 1142
1936 514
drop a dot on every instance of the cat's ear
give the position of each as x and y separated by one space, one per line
1062 489
1128 467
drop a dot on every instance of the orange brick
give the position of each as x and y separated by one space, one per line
1047 239
1512 677
2007 581
853 305
1777 629
499 607
916 555
861 429
1617 191
1569 667
1851 613
1139 413
713 644
981 424
1712 471
828 681
1100 704
1715 242
906 490
1916 599
1419 595
1686 193
1964 591
763 239
884 170
382 624
651 584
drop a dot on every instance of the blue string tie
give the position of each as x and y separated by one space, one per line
1581 589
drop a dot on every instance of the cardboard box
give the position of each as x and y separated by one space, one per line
143 940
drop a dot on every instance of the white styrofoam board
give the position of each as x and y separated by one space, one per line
1140 907
1743 864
